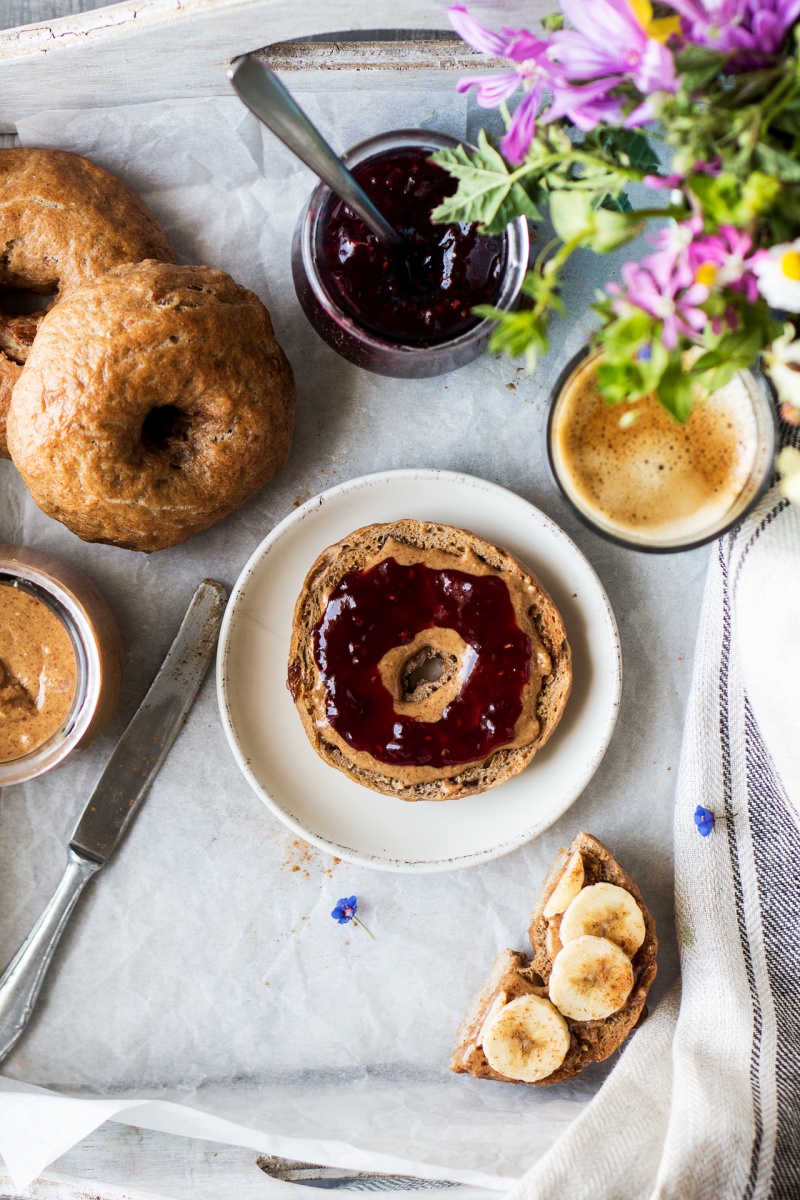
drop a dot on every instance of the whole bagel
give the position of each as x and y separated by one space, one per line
63 221
155 400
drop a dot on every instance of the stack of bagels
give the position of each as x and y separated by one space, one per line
147 399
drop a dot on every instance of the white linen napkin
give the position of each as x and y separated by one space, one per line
705 1101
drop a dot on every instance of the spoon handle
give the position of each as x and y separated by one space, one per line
268 99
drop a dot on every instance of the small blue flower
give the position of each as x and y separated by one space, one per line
705 820
645 353
345 910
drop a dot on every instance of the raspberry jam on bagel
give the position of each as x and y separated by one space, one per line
380 621
426 663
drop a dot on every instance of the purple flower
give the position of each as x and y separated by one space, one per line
751 30
531 70
346 910
672 244
578 95
609 41
721 261
705 820
665 289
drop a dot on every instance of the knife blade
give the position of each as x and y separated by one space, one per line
145 743
115 800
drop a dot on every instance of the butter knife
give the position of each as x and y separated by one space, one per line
115 800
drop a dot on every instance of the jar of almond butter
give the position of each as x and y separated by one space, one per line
60 662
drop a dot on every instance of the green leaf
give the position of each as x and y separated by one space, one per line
486 193
727 200
577 218
612 229
516 204
619 203
675 389
698 66
776 163
631 148
633 378
571 214
517 333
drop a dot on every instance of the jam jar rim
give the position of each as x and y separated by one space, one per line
766 407
88 664
516 236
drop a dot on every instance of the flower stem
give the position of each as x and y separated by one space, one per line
358 921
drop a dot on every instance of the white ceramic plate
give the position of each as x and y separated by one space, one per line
320 803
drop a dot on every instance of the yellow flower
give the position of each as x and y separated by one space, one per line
706 274
660 28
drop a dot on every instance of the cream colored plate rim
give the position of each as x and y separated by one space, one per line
321 804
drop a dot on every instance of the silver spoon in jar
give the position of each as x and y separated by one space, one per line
266 97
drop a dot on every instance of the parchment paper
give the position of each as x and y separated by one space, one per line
202 966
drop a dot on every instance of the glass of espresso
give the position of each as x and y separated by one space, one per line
404 313
635 475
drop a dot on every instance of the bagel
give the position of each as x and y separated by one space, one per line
576 871
374 609
155 400
63 221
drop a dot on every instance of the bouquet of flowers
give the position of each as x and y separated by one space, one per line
717 83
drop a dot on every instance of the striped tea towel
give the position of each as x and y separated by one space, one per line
705 1101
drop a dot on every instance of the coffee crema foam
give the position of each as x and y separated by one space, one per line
656 478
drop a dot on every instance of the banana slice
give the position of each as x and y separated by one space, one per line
591 979
605 911
527 1039
567 887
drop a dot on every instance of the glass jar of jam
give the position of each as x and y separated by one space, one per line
60 663
406 314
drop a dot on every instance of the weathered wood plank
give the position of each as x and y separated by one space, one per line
131 53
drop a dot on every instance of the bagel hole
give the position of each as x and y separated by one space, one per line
166 430
19 302
20 314
425 672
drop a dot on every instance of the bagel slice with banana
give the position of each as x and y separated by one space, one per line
542 1019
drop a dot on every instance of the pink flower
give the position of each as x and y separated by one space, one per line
532 70
668 293
608 41
721 260
662 181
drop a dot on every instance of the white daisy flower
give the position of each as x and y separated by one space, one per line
783 360
788 464
778 272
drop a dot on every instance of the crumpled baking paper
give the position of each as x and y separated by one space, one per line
202 987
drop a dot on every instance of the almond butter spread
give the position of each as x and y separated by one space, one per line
38 672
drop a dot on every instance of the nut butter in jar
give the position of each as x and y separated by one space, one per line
60 663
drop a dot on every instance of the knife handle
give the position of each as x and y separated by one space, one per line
22 978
